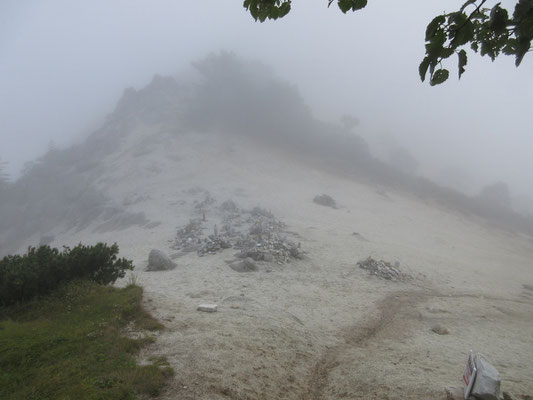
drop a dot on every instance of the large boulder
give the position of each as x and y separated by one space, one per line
325 200
159 261
246 265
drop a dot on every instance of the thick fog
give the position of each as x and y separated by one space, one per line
64 65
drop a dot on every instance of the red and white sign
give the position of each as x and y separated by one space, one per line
469 375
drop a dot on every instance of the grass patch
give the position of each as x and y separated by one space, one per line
70 345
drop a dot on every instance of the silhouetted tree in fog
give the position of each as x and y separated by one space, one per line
496 195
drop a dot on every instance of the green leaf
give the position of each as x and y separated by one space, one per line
463 35
446 52
262 10
521 9
457 18
423 68
433 26
498 19
345 5
359 4
463 59
284 9
522 47
439 77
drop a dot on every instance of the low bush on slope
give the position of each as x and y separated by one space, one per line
42 269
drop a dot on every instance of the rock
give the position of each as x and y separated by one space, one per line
527 287
152 225
325 200
207 308
360 237
383 270
440 330
487 382
255 255
454 393
229 206
159 261
268 257
246 265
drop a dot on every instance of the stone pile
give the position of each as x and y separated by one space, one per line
382 269
256 233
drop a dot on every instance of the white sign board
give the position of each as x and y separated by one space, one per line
469 375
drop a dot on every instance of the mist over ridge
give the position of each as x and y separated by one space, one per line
226 95
301 215
469 134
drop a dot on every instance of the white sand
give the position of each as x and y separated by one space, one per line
318 328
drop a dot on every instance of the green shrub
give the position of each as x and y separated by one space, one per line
70 345
42 269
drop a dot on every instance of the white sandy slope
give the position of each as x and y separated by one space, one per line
317 328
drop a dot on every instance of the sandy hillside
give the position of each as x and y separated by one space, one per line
315 327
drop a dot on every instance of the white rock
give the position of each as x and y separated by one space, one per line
207 307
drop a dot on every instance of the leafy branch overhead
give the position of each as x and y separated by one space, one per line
488 31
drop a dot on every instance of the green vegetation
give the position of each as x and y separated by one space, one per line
70 345
41 270
489 31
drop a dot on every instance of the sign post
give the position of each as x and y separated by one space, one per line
469 374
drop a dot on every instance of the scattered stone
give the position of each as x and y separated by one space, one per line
359 236
383 270
211 245
436 310
383 193
440 330
195 190
254 254
229 207
261 212
134 199
159 261
456 393
210 308
325 200
152 225
203 205
527 287
268 257
246 265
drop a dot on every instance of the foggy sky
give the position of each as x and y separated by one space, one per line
64 64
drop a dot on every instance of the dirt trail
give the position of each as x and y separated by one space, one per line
396 305
398 316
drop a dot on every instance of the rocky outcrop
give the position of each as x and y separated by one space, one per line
159 261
